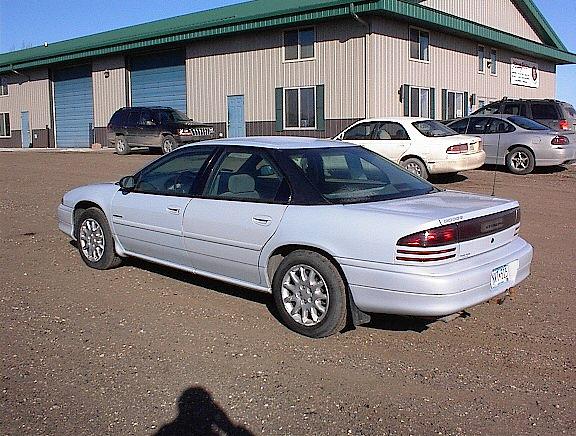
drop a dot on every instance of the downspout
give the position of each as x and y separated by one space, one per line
366 37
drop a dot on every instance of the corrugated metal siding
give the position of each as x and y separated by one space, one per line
29 92
110 92
500 14
252 65
453 65
159 79
73 106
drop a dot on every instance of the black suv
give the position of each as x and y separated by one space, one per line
154 127
557 115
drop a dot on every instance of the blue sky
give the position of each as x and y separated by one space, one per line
30 23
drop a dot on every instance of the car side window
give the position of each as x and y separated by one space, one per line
362 131
460 126
133 118
147 118
515 109
119 118
500 126
477 126
489 109
544 111
175 174
390 131
247 176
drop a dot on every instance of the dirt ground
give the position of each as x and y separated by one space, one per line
143 349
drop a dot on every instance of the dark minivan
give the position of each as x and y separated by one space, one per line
162 127
555 114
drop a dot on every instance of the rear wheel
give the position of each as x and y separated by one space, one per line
121 145
520 160
415 166
168 144
95 242
310 294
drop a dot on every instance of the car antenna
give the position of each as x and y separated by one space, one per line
496 164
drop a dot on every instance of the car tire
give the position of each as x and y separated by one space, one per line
310 278
520 161
168 144
94 239
415 166
121 145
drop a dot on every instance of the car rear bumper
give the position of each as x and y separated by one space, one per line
66 220
556 156
435 291
457 163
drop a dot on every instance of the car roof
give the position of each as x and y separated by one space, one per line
397 119
276 142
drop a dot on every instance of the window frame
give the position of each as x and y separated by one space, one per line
482 62
493 62
420 89
464 103
358 124
4 85
285 108
299 58
419 30
7 126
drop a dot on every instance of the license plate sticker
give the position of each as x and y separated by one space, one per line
499 276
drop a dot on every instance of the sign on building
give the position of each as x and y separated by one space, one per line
524 73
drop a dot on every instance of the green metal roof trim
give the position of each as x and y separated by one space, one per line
261 14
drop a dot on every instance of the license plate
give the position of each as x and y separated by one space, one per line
499 275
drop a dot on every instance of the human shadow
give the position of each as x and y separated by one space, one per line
199 414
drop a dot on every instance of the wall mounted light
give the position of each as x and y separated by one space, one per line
106 74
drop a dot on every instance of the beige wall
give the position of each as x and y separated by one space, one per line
252 65
453 65
28 91
109 92
500 14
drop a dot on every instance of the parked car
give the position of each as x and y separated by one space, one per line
420 145
518 142
557 115
162 127
327 227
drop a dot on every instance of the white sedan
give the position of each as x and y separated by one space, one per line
330 229
420 145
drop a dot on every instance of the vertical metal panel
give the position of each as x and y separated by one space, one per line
159 79
499 14
28 92
73 106
109 78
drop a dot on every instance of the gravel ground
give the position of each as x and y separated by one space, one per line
144 350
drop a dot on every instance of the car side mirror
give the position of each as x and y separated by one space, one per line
127 183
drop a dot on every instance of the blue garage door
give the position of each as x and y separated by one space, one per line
159 79
73 106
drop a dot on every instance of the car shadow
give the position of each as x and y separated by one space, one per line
145 151
398 323
555 169
447 178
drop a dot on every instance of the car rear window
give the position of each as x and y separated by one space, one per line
527 123
433 129
118 118
356 175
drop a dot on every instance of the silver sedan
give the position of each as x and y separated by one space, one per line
330 229
518 142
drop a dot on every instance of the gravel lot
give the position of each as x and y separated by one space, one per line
143 349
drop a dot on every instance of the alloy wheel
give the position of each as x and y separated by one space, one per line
91 240
305 295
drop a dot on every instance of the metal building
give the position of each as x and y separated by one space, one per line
305 67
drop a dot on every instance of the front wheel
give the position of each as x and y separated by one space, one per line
310 294
95 241
168 144
520 160
415 166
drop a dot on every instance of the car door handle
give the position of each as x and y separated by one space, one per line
173 210
262 220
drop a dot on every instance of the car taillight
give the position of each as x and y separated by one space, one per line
459 148
560 140
480 145
564 125
431 238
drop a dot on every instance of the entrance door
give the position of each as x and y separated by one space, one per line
26 138
236 121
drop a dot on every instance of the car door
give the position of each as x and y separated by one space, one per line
477 126
359 134
148 129
241 207
148 219
391 140
133 128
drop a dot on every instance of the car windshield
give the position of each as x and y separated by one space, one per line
173 116
356 175
527 123
433 128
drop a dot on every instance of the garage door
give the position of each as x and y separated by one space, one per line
159 79
73 106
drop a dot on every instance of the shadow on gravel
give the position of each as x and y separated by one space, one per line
447 178
199 414
555 169
398 323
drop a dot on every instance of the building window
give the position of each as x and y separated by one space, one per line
300 108
493 63
419 44
299 44
419 102
5 125
455 106
481 59
3 86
